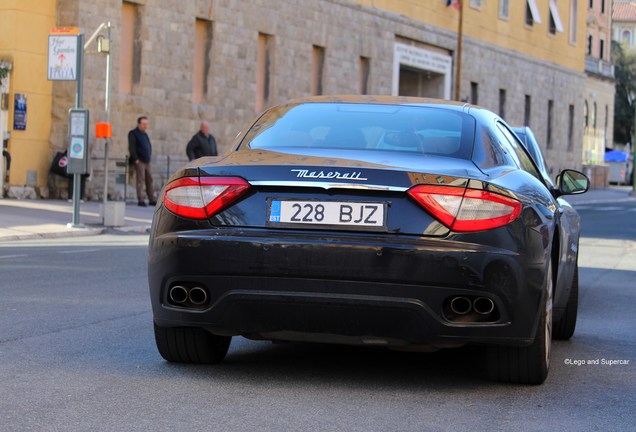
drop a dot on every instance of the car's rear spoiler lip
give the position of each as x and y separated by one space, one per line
327 185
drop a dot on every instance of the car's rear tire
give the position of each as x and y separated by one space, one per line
190 345
564 328
528 364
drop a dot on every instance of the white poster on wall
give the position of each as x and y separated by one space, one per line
424 60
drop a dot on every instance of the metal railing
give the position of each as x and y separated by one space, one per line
120 186
599 67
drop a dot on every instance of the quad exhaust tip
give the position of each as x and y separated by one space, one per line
188 296
198 296
471 309
460 305
178 294
483 305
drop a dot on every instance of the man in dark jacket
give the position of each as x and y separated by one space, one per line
202 143
140 150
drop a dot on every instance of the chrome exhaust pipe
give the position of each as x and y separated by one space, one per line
483 305
198 296
178 294
460 305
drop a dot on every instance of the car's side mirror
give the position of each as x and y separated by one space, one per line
572 182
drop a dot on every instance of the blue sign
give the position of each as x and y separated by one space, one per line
19 112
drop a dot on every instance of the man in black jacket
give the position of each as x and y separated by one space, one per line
202 143
140 150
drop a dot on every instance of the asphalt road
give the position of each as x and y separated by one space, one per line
77 353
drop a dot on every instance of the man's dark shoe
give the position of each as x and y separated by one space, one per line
142 204
152 203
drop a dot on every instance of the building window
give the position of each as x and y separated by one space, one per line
548 140
586 114
601 49
476 4
201 63
263 70
554 21
365 70
627 36
504 9
606 118
573 20
502 103
591 6
570 127
474 93
532 13
527 111
130 47
551 24
317 69
594 116
590 42
603 6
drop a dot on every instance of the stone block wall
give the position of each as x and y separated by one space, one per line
345 29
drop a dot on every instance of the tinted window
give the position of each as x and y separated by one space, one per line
528 140
365 127
522 158
489 153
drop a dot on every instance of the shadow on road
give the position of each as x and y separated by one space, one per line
363 368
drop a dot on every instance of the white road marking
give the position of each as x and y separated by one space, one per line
74 251
12 256
603 209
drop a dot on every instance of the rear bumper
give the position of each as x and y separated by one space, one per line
347 288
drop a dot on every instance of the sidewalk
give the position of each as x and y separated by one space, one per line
36 219
32 219
609 194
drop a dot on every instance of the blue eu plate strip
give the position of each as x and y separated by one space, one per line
274 213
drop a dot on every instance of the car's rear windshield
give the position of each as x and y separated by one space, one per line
366 127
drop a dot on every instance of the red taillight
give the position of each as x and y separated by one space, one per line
202 197
466 210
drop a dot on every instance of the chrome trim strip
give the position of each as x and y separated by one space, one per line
327 185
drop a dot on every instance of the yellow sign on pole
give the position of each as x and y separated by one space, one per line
64 30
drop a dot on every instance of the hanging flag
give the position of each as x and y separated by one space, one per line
453 3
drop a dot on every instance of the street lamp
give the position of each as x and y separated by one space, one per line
103 47
632 100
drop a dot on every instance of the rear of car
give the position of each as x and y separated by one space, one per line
355 223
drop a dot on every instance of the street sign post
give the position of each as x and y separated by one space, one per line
65 63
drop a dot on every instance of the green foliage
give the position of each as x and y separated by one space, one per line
3 73
625 100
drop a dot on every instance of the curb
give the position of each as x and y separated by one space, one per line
139 229
602 201
72 232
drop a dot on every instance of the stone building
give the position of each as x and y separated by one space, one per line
226 60
598 109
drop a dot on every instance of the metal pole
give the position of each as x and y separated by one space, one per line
79 95
107 109
460 37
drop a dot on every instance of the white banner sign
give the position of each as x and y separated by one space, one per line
62 65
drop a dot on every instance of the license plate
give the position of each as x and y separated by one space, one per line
349 214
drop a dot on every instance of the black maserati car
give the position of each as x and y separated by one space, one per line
405 223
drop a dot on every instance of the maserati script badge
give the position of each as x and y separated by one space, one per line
330 175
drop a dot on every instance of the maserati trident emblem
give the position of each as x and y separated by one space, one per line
329 175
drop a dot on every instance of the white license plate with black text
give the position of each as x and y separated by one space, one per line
334 213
